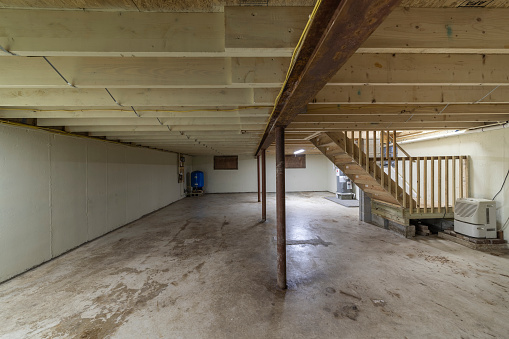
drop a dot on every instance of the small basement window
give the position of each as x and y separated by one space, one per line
295 161
226 162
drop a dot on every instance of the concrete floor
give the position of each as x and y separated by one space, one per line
205 268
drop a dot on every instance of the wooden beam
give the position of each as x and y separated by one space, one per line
406 30
217 72
322 54
151 121
84 33
260 31
392 109
346 126
411 94
441 30
170 133
401 118
424 69
134 128
126 97
127 112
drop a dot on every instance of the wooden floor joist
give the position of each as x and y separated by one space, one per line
322 54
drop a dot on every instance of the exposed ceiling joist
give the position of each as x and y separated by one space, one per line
322 54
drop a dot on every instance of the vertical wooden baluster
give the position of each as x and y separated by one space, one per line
367 152
460 181
432 187
439 188
410 183
395 159
446 192
352 140
359 145
403 167
453 180
418 185
374 154
466 172
425 184
382 172
345 140
389 167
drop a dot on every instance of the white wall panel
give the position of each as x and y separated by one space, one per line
97 189
117 187
57 192
25 218
68 193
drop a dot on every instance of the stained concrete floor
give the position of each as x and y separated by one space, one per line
205 268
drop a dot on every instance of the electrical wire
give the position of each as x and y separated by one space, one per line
6 51
502 185
504 225
56 70
478 101
292 61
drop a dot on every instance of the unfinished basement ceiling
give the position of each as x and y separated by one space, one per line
205 82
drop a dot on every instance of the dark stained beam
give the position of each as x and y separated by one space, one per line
337 30
280 207
258 176
264 187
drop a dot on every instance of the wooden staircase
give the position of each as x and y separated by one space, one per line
401 188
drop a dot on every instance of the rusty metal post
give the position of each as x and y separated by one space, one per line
258 176
280 207
264 188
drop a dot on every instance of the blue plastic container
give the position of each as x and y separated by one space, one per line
197 179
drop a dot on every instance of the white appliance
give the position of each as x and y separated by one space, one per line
475 218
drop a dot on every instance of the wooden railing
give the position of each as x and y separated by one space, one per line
421 184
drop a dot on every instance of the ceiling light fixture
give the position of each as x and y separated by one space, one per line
298 151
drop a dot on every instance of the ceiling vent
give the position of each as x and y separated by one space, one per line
253 2
472 3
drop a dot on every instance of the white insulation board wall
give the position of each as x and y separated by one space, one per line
489 162
57 192
312 178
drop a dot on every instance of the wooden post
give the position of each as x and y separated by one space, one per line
432 187
418 177
264 187
389 165
374 155
395 159
410 183
453 180
403 166
446 183
359 146
367 152
466 181
352 139
439 188
460 181
382 172
258 176
280 207
425 185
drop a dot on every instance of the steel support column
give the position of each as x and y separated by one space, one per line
264 188
258 175
280 207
